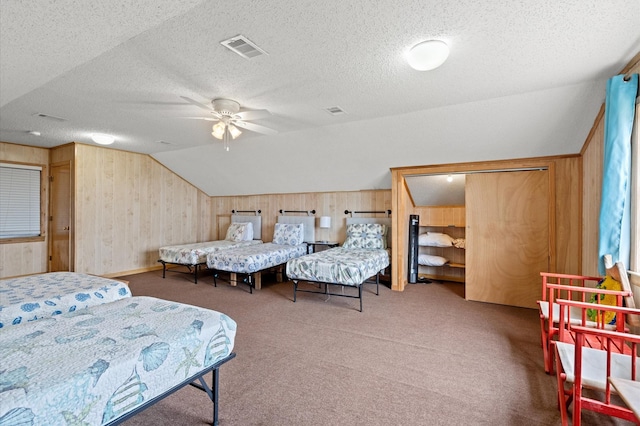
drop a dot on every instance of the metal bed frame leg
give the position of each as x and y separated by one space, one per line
360 295
295 287
214 383
198 381
164 267
195 273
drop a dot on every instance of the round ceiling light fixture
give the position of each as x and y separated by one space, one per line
428 55
102 139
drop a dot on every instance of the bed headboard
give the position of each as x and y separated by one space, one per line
309 223
256 220
381 220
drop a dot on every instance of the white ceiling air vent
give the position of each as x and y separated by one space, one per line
335 110
243 47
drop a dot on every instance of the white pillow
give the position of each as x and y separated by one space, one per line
238 231
430 260
247 235
435 239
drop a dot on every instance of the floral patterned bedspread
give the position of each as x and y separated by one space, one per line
196 253
246 260
37 296
91 366
346 266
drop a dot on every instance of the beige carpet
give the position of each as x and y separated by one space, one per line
424 356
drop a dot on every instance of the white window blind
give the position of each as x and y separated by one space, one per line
19 200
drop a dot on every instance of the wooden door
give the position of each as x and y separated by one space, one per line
60 219
507 237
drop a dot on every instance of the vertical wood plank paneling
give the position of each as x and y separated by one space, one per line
85 211
568 215
111 212
592 187
128 206
145 207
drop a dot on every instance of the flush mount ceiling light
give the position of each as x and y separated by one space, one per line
102 139
428 55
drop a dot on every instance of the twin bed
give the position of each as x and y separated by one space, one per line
194 255
363 255
291 233
34 297
101 363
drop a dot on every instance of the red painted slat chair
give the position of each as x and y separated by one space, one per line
570 287
583 367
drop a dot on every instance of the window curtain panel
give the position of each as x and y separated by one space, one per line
615 208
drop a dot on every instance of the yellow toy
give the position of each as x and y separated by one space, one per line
610 282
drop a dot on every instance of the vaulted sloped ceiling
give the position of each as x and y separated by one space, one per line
523 79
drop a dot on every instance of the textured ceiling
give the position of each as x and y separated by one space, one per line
523 79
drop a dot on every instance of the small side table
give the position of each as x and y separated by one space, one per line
311 247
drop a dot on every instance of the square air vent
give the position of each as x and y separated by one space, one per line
335 110
243 47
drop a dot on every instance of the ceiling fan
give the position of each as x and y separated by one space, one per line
228 117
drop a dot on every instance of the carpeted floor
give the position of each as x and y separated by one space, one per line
424 356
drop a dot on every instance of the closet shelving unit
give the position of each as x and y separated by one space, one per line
448 220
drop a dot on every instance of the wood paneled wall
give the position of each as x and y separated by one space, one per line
29 257
331 204
127 206
568 196
592 166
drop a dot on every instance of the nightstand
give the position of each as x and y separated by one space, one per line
311 247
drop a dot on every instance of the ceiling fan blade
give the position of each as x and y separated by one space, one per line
202 118
196 103
253 115
255 127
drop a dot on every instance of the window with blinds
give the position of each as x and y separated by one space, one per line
19 200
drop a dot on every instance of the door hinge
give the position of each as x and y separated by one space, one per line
50 258
50 218
50 178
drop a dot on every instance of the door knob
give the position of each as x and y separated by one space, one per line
66 228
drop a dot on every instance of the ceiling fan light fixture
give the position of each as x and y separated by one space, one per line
428 55
234 131
218 130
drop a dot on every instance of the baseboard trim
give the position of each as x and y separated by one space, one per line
132 272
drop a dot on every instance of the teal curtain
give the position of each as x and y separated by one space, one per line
615 209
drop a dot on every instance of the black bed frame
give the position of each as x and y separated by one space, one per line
326 288
248 278
193 269
212 391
